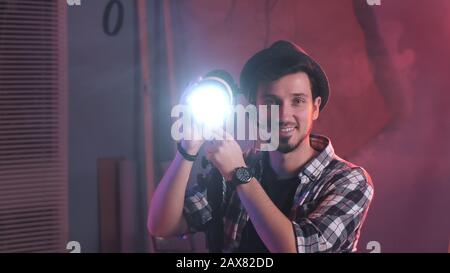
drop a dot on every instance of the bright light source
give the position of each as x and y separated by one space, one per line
210 102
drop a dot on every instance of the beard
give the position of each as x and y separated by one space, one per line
285 147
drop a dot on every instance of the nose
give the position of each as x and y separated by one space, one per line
285 113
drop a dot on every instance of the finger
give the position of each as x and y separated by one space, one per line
222 135
211 147
228 136
215 135
209 156
212 157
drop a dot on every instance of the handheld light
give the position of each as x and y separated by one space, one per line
210 100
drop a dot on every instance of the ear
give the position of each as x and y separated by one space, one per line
316 107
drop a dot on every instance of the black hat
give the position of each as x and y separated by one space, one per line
280 59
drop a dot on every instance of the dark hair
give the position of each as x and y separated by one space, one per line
280 59
271 76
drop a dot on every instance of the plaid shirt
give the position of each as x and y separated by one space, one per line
329 206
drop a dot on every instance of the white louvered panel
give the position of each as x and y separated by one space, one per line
34 246
19 185
29 166
32 155
33 130
26 170
19 162
26 189
30 221
33 197
8 197
21 175
27 210
28 117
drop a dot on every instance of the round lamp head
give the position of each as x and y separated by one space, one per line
210 101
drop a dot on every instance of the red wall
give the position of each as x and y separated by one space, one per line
388 110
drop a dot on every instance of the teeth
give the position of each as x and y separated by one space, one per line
286 130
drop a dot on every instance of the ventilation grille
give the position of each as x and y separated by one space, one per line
33 165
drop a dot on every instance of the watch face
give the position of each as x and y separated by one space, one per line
243 175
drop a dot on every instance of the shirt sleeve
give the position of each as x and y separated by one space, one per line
197 210
334 225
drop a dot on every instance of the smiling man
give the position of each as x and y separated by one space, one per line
300 198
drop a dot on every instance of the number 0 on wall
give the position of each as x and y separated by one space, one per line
112 28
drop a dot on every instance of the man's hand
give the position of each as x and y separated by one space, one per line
225 155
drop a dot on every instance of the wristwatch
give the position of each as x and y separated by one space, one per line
241 175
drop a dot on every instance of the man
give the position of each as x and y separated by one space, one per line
299 198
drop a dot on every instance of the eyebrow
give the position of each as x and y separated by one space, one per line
299 95
293 95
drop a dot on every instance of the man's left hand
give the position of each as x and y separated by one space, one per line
225 155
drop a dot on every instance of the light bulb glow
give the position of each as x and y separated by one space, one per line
210 103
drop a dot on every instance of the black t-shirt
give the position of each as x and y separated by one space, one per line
281 192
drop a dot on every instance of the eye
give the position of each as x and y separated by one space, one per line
298 100
270 101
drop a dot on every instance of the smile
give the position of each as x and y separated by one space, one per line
287 130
